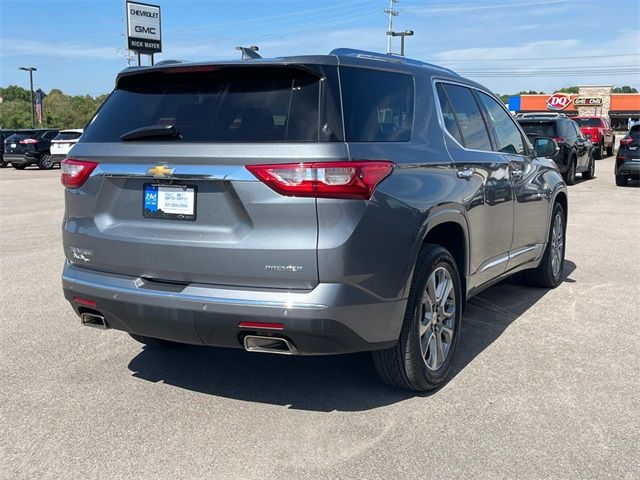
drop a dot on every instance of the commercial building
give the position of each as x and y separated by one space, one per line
590 100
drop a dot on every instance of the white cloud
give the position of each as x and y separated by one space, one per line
24 47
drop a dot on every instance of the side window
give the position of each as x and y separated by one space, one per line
450 122
466 110
578 133
378 106
508 135
565 130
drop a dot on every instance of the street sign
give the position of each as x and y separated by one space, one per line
143 28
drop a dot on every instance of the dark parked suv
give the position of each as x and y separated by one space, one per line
30 147
628 157
576 154
4 134
306 205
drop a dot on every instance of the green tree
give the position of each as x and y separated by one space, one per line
59 110
625 89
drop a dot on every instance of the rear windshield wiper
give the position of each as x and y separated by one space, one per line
152 131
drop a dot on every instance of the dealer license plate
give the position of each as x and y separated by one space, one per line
169 202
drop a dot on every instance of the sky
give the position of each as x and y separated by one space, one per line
507 45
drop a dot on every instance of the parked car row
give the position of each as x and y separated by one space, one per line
576 151
628 157
44 147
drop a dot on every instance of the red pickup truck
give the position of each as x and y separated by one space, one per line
598 130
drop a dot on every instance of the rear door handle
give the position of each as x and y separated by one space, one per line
465 172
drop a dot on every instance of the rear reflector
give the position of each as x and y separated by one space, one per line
85 302
262 325
355 180
75 172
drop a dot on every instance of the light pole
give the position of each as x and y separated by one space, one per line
406 33
31 70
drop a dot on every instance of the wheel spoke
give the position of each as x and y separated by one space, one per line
432 359
446 291
439 350
431 288
425 338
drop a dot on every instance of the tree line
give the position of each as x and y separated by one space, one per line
58 109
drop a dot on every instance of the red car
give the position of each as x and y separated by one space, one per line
598 130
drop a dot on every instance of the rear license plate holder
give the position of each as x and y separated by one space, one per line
169 202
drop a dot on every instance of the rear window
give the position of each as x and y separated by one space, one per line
588 122
68 136
18 135
264 104
539 129
377 106
635 132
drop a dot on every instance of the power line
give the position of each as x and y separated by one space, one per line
535 58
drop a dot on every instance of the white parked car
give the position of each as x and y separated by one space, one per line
62 143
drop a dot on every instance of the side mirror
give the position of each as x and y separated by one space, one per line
546 147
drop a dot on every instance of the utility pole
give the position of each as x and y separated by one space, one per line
31 70
391 12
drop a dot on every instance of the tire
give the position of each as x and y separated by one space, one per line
598 151
570 175
19 167
423 330
45 162
591 171
549 273
610 149
4 164
621 180
155 342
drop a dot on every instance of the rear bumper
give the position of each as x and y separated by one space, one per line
630 168
16 159
330 319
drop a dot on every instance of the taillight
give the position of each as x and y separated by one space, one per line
29 141
75 172
324 180
558 139
626 140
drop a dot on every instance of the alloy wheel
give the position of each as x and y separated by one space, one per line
437 318
45 161
557 245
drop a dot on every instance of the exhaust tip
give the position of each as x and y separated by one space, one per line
93 320
278 345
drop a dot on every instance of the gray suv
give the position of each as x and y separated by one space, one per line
305 206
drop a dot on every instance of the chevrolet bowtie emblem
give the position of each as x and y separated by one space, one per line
160 171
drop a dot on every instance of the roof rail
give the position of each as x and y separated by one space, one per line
385 57
541 115
249 53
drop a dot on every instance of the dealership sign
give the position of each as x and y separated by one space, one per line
558 101
143 28
587 102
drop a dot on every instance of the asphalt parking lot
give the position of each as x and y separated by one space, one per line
546 383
